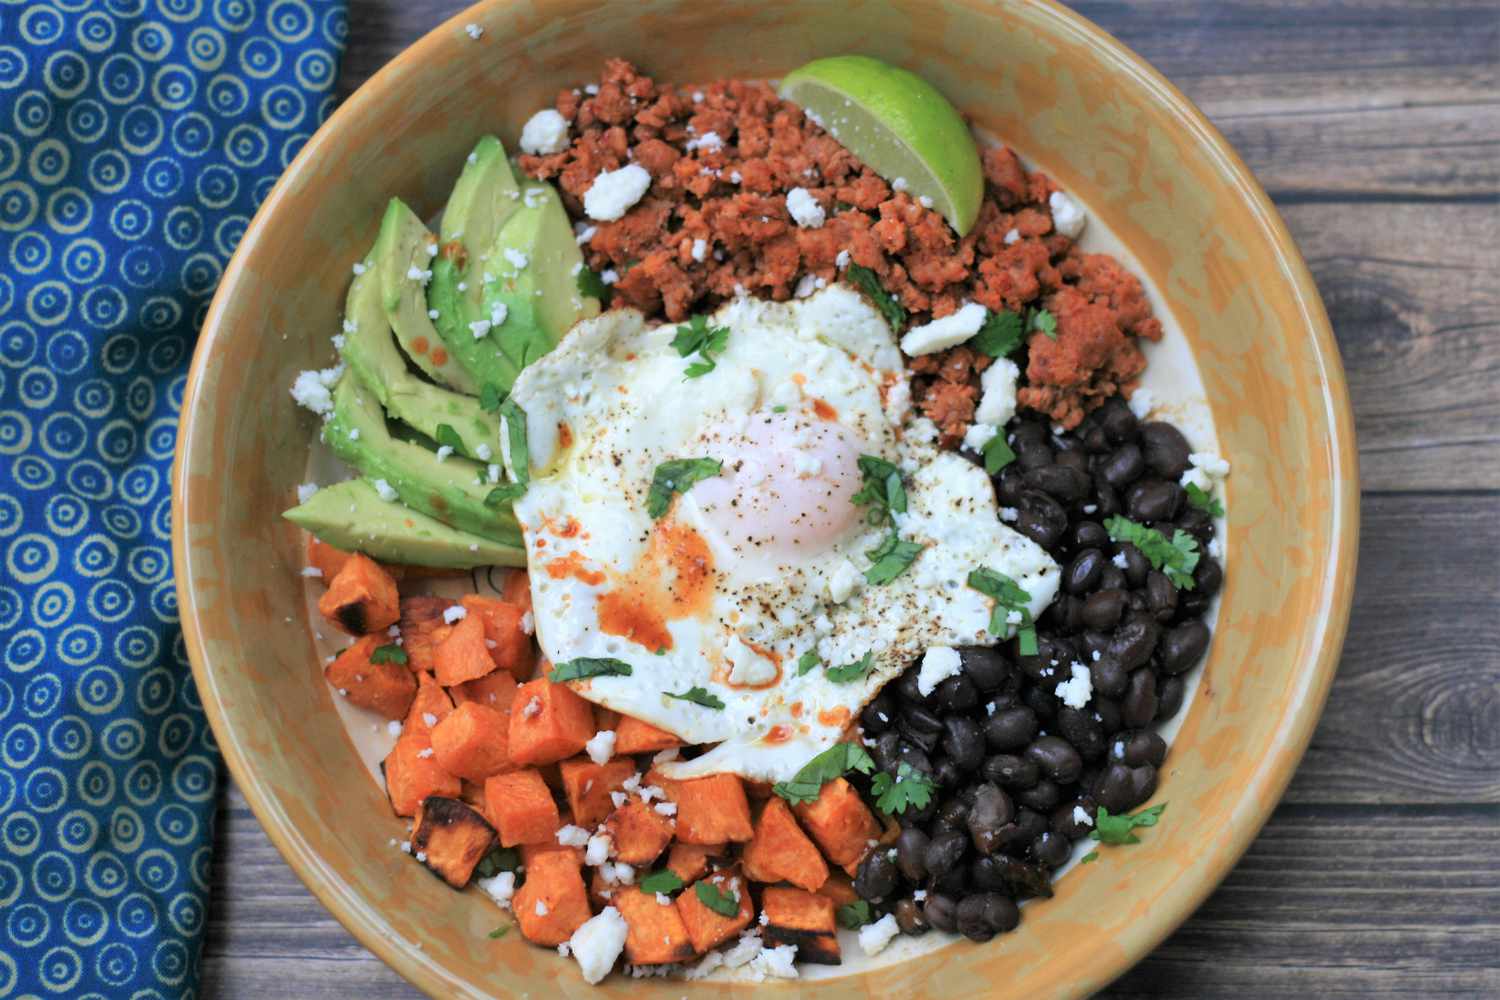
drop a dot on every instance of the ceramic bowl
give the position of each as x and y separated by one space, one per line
1071 100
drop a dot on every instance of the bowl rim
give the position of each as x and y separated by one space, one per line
1305 702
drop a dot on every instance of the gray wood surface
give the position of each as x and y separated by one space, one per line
1376 126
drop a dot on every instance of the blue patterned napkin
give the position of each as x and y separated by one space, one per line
136 139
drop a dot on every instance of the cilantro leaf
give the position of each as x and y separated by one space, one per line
1121 829
1204 500
854 915
501 859
503 494
588 666
1010 600
997 454
1000 334
1176 558
891 559
390 653
515 431
868 282
665 880
593 286
1041 319
499 932
835 762
909 788
883 490
448 437
490 397
697 337
1089 858
807 661
698 696
677 476
851 672
722 903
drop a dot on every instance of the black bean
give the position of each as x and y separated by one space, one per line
987 874
1029 824
1089 535
1065 613
1042 701
963 742
1010 771
915 756
1117 420
1169 696
1153 500
955 694
1123 467
945 851
922 720
1208 576
878 715
1142 784
1191 604
924 741
1080 728
953 813
1113 577
1138 707
887 751
1042 519
911 854
1161 596
991 811
910 919
1010 728
947 774
1092 642
1095 440
1065 822
954 882
941 912
1108 711
1056 757
1076 459
1142 746
1166 450
985 668
876 877
1103 608
1133 643
1136 564
1035 456
971 919
1083 571
1009 486
1062 483
1051 850
1113 789
1183 647
1025 880
907 690
1197 523
1042 797
1107 499
1108 676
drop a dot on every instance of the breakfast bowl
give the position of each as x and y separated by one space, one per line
1248 359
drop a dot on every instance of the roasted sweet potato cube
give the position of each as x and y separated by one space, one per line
411 773
587 786
805 919
496 689
530 852
601 892
839 822
384 688
710 810
656 934
634 736
517 589
325 558
520 806
640 832
429 707
839 888
690 861
553 903
362 597
421 618
462 655
451 838
781 852
472 792
513 650
707 928
471 741
548 722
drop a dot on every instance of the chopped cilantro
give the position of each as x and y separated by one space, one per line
725 904
588 666
1204 500
448 437
1000 334
1089 858
490 397
835 762
698 696
909 788
851 672
1121 829
499 932
997 454
868 282
891 559
882 492
504 494
677 476
1176 558
697 337
501 859
593 286
390 653
854 915
1041 319
807 661
1009 599
665 880
515 431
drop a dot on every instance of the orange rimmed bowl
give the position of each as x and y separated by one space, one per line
1067 97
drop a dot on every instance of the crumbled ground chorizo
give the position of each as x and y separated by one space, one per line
722 157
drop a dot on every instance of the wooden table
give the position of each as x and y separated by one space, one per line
1376 128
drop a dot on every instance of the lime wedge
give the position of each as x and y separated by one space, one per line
899 125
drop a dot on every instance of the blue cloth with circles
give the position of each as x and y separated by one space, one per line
137 138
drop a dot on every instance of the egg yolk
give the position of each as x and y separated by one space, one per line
787 488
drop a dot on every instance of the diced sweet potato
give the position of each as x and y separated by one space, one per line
839 888
587 786
634 736
496 689
839 822
520 806
451 839
517 590
656 934
710 810
462 655
421 618
472 741
325 558
530 852
553 902
758 791
513 650
804 919
362 597
428 708
781 852
600 891
385 688
708 928
411 773
472 792
690 861
548 722
640 832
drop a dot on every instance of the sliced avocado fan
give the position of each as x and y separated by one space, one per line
352 516
370 351
449 490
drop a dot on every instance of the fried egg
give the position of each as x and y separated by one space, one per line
751 586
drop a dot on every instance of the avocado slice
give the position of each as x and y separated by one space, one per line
371 352
352 516
401 250
448 490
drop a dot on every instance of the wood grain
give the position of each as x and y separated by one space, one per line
1376 127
